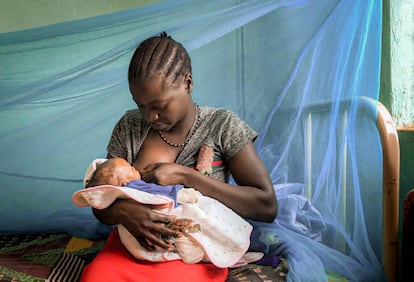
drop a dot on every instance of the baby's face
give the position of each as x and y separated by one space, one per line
117 172
125 171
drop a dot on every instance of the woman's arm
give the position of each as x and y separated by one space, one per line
140 220
253 198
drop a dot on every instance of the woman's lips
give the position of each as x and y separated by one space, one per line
159 126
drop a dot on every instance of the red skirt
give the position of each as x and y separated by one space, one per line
115 263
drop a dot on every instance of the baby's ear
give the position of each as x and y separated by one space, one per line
122 181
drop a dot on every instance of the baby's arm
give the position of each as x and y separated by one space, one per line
188 249
184 226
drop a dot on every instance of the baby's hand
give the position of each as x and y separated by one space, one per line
184 226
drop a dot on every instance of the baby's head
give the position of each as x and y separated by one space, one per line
115 171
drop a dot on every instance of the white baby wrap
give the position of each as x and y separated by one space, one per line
223 239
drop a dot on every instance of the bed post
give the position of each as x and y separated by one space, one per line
391 178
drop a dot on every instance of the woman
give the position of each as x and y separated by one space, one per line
163 139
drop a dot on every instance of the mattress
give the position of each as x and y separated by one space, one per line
61 257
45 257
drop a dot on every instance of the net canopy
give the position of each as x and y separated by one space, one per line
303 73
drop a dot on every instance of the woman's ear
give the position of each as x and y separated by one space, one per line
188 80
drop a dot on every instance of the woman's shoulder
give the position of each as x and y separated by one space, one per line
221 118
132 116
217 113
134 113
131 120
226 129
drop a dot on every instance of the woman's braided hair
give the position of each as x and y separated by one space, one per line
159 55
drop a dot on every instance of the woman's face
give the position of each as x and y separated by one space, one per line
164 104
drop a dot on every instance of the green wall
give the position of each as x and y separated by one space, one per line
25 14
397 82
397 85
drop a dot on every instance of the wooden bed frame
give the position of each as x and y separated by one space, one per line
391 190
391 170
68 248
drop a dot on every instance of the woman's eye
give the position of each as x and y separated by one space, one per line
160 106
156 107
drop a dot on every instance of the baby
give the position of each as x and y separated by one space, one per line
118 172
209 231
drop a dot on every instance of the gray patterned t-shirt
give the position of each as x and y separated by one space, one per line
218 128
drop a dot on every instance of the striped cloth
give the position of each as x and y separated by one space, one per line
69 268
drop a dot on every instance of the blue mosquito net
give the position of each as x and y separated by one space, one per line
303 73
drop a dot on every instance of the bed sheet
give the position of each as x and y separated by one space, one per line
45 257
61 257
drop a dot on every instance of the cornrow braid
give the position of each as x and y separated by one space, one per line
159 55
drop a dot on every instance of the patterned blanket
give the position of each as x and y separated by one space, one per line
61 257
45 257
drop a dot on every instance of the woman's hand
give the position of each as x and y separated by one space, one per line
145 224
163 173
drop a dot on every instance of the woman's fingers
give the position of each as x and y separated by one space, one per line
156 231
144 243
147 225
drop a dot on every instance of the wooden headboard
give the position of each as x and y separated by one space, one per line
391 167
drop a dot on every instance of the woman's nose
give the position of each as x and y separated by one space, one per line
151 116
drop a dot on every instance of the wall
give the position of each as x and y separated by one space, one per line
397 81
397 84
402 62
24 14
402 85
